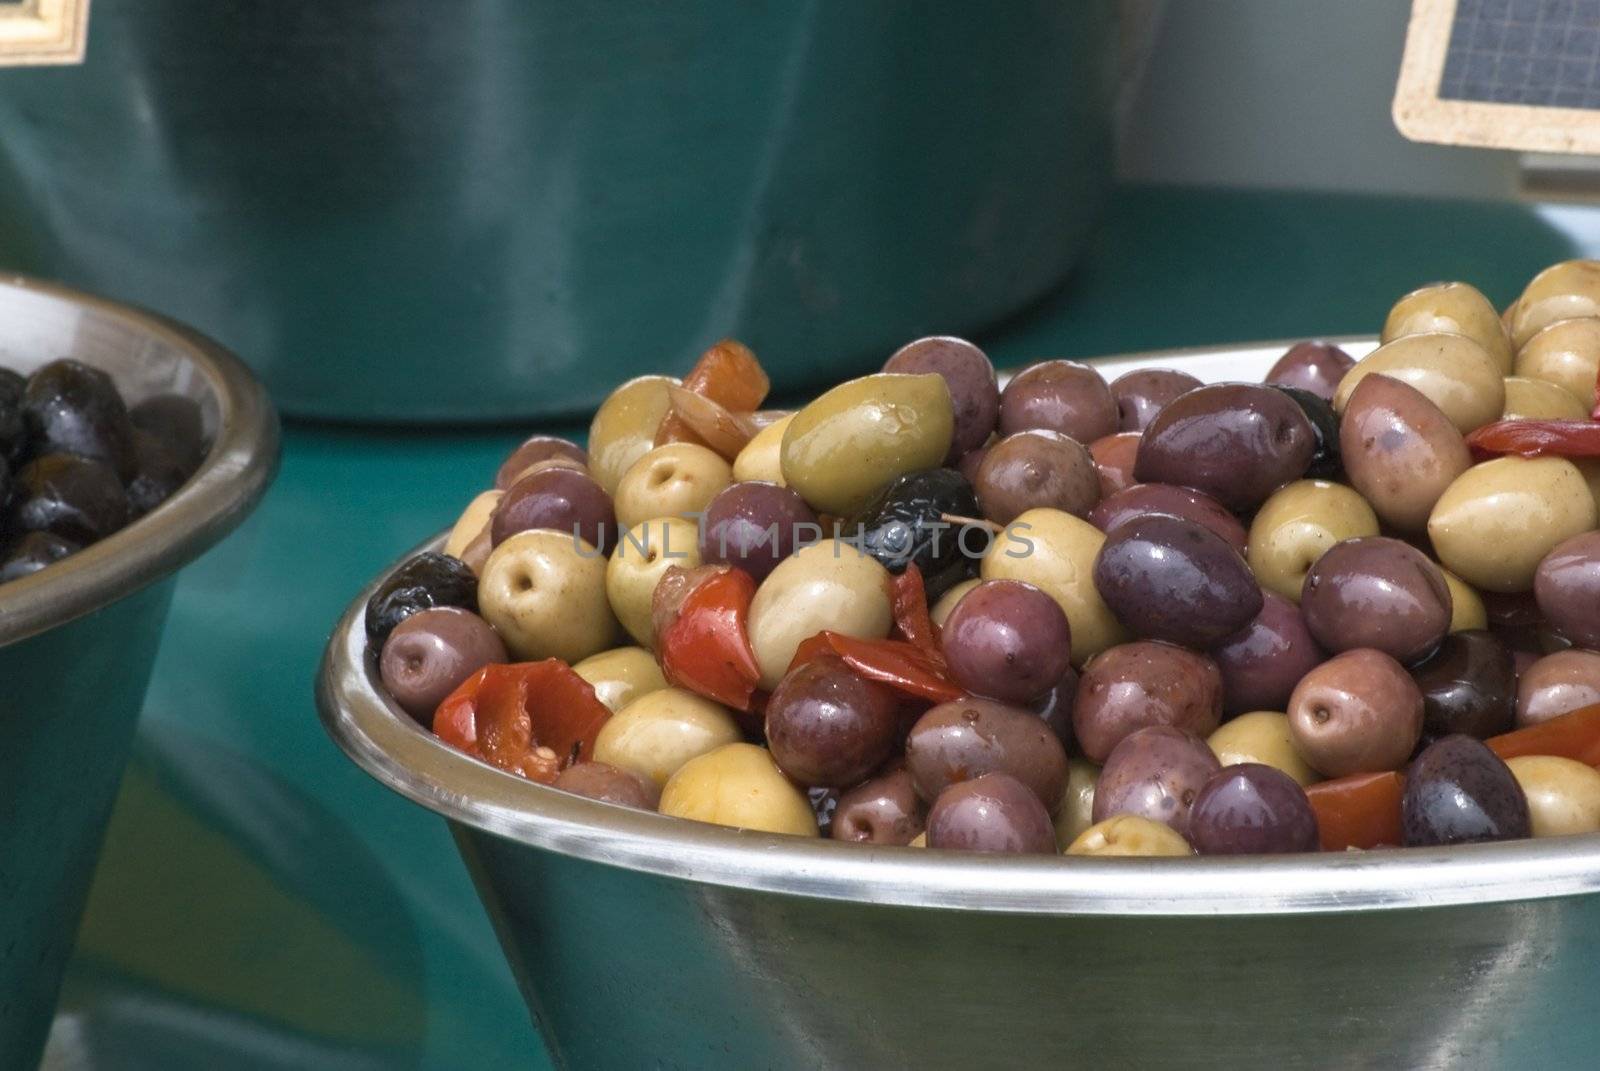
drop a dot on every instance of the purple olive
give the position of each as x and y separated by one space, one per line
430 653
1459 792
1380 593
990 813
1169 579
1469 685
829 726
1312 366
1136 685
1237 442
565 500
1252 809
961 739
609 784
1144 498
1140 394
1262 662
754 525
1155 773
1062 396
1007 640
970 376
884 809
1567 587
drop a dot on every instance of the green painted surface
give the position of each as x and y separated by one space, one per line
262 904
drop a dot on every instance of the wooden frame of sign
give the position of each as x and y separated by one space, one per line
36 33
1422 115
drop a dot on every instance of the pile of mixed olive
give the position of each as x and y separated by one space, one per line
77 463
1354 606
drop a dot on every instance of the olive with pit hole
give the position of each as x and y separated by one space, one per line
1155 773
1237 442
1166 578
968 373
828 726
643 554
1129 835
1497 521
1007 640
1560 292
676 480
1252 809
1469 685
1535 399
1558 684
761 458
738 785
1140 394
1567 353
1062 396
1115 458
884 809
1453 308
1262 662
1055 552
1298 525
1400 451
1142 684
1377 592
609 784
1459 792
661 730
1451 371
990 813
1033 469
1311 366
621 675
430 653
1358 712
1075 813
967 737
545 593
1567 587
624 428
1173 501
1261 736
829 585
1563 794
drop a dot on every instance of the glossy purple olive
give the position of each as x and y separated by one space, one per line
990 813
1169 579
1252 809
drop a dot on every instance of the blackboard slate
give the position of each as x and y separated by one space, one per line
1541 52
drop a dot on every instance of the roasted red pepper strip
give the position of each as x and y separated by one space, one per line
1359 811
911 620
727 373
1574 735
707 648
1537 438
455 721
532 718
903 666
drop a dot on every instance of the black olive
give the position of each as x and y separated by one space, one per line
1326 462
74 409
426 581
159 470
33 552
13 427
175 419
71 496
908 524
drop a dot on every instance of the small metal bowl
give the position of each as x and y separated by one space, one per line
641 940
78 639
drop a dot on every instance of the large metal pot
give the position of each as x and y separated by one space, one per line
641 940
491 209
78 640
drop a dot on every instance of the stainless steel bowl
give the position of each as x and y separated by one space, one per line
640 940
77 640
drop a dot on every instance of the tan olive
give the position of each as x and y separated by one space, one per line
545 593
1456 308
1567 353
1075 813
549 463
1563 794
761 458
621 675
1261 736
738 785
1538 399
1297 524
1451 371
829 585
948 600
661 730
1055 552
1560 292
1467 611
1589 469
1130 835
675 480
644 552
919 841
473 521
624 427
1494 524
842 449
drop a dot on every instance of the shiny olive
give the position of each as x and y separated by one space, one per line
1311 366
945 604
159 469
1400 451
1558 684
970 462
1466 605
1325 460
1055 552
1237 442
907 525
1497 521
754 526
74 497
175 419
534 450
1155 773
621 675
1535 399
1166 578
675 480
1007 640
1075 813
1062 396
423 582
473 522
967 371
609 784
1454 308
1262 662
545 593
1452 371
1567 353
828 726
1563 795
661 730
884 809
1033 469
1377 592
34 551
1298 525
624 428
431 652
1252 809
738 785
13 424
1140 394
1173 501
961 739
74 409
1261 736
1459 792
1358 712
1115 457
990 813
828 585
1560 292
761 458
560 499
1055 707
643 554
1129 835
1469 685
1141 684
840 451
1567 586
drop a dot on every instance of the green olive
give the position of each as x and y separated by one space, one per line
624 427
1563 794
1494 524
1130 835
621 675
1297 524
1539 399
1560 292
761 458
1076 810
661 730
545 594
829 585
1455 308
1589 468
1567 353
844 448
1055 552
1467 611
739 785
643 553
473 521
948 600
1451 371
675 480
1261 736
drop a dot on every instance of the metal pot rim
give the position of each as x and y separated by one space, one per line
391 747
230 481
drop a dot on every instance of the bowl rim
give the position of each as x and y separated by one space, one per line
394 749
229 482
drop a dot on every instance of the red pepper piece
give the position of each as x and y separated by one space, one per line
1359 811
1537 438
912 622
455 721
728 374
536 718
706 648
1574 735
903 666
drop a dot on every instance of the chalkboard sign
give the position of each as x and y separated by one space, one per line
1509 74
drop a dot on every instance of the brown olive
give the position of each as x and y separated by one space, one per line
1400 451
884 809
1377 592
1114 460
609 784
1358 712
1140 394
1142 498
1155 773
1059 396
968 737
828 726
1166 578
1140 684
1567 586
1558 684
431 652
1313 366
1036 468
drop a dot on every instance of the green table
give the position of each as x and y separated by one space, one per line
262 904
